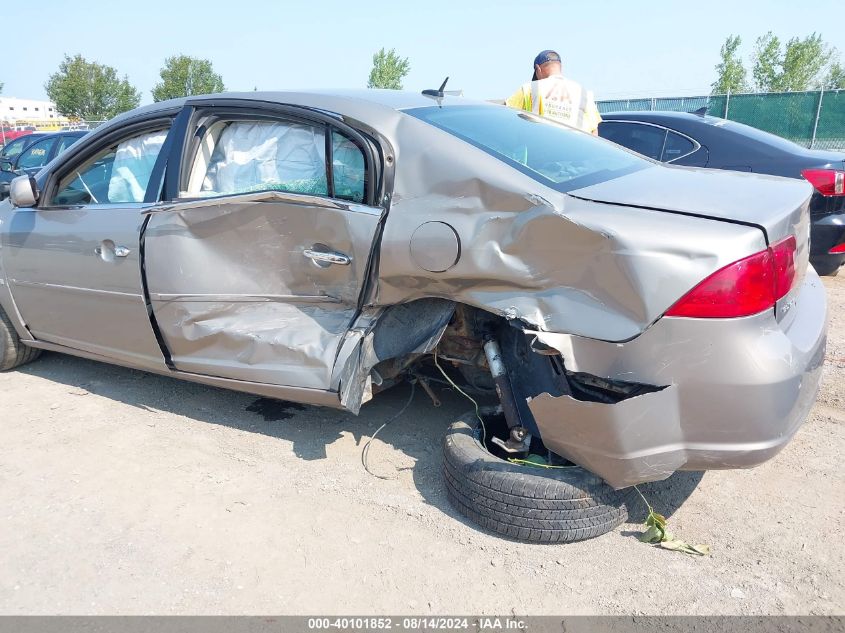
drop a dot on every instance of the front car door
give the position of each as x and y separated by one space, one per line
255 268
73 263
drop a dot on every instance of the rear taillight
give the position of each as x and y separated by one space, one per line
828 182
839 249
746 287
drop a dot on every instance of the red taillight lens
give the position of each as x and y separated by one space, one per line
746 287
837 250
783 253
827 182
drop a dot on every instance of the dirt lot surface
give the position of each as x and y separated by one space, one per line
124 492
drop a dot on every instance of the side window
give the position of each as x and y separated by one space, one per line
247 156
677 146
118 173
643 139
349 169
14 148
36 155
66 142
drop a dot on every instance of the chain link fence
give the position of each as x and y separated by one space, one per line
814 119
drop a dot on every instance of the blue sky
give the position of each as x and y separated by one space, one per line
616 48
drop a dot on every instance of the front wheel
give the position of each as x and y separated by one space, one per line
12 351
528 503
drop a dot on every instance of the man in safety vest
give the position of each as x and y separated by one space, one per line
551 95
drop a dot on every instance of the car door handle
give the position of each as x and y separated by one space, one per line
119 251
327 257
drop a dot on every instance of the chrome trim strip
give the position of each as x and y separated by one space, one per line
41 284
215 298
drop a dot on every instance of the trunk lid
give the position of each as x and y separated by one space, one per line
778 206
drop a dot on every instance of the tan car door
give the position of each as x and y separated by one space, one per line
73 263
254 273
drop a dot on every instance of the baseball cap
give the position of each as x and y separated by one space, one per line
546 56
542 58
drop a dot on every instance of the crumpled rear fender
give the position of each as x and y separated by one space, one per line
524 251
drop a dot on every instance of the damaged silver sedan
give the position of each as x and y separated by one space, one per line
626 319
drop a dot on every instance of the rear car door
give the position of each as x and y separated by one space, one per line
256 267
73 263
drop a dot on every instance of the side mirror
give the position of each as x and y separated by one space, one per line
5 164
23 192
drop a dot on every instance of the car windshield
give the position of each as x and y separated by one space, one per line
556 155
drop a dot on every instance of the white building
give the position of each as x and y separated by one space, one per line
13 110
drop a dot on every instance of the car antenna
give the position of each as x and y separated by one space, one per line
442 92
439 93
701 111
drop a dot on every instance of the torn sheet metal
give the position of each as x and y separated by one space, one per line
626 443
743 387
234 295
403 330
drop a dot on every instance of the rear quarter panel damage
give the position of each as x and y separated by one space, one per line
532 253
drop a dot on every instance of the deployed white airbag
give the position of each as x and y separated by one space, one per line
133 166
252 156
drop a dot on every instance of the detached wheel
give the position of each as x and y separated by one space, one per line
12 351
528 503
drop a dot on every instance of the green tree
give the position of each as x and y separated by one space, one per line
731 73
183 76
388 70
835 79
88 90
797 66
804 61
767 62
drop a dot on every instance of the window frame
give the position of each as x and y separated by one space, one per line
695 144
208 111
81 153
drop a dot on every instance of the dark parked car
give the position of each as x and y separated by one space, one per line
15 146
693 140
33 152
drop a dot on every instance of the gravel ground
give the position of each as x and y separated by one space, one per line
127 493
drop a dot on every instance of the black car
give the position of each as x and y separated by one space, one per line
694 140
33 155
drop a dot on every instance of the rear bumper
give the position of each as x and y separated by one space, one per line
734 393
825 233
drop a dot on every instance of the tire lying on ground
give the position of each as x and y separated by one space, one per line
12 352
540 505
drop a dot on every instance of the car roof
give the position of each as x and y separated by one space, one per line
330 100
661 115
730 140
40 135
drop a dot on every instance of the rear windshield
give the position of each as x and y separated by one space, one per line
556 155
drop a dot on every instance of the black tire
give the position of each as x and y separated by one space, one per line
526 503
13 352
